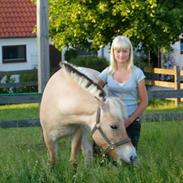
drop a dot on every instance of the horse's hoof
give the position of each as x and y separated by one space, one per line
74 164
51 164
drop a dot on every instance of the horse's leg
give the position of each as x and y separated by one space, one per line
87 145
51 145
41 136
75 146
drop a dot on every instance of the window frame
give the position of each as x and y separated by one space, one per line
14 60
181 46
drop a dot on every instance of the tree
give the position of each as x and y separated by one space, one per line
92 24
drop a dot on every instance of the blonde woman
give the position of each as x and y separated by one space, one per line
123 79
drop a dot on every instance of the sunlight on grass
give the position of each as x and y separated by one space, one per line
31 111
19 111
19 106
164 105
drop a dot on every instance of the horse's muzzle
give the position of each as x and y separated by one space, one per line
133 159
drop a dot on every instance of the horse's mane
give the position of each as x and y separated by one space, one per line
84 81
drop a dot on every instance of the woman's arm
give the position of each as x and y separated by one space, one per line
143 102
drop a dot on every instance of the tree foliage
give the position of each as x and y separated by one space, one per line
93 23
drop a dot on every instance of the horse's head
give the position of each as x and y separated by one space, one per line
109 132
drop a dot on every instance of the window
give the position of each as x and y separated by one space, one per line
181 46
14 54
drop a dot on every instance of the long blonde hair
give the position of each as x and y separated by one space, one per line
120 42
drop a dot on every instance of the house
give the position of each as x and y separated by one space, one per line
177 52
18 45
18 42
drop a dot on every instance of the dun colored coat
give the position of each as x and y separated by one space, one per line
71 104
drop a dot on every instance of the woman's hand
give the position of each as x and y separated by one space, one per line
101 83
128 122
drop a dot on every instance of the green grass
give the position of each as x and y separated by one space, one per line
23 159
31 111
19 111
162 105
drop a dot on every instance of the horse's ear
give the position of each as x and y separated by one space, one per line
124 110
120 97
104 105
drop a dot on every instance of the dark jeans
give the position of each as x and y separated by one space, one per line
133 132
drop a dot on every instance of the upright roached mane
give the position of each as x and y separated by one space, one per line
84 81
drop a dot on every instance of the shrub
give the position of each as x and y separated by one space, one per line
70 54
92 62
28 76
25 77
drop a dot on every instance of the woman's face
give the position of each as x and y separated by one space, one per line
121 55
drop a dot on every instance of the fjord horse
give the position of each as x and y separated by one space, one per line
70 104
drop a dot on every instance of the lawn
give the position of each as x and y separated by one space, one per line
31 111
19 111
163 105
23 158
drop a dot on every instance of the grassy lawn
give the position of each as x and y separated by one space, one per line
23 159
19 111
162 105
31 111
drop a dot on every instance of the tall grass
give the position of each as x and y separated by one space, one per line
23 158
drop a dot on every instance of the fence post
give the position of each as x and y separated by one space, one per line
177 83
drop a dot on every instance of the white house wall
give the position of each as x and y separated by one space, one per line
176 54
31 54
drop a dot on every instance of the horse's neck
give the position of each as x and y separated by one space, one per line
85 113
87 120
85 80
81 106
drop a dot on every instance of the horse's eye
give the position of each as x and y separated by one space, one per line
114 127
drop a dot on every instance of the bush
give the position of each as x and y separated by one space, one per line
141 62
25 77
70 54
28 77
92 62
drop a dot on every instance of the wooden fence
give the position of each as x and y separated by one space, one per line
175 82
176 73
32 98
175 91
20 98
22 73
36 97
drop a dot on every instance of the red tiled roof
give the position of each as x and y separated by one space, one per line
17 18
